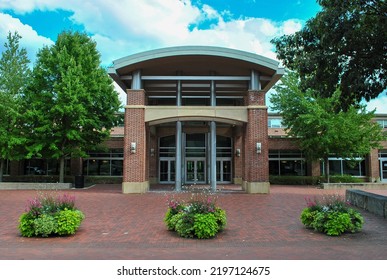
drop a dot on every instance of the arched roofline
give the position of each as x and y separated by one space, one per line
138 58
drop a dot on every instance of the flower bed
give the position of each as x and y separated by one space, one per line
199 217
332 216
49 215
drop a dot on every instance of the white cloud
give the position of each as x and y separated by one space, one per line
31 40
125 27
379 103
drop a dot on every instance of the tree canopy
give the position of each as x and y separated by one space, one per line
71 102
14 75
321 129
343 46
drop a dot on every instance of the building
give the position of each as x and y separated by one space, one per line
197 115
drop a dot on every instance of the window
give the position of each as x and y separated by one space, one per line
104 163
340 166
275 123
286 163
382 123
44 167
7 167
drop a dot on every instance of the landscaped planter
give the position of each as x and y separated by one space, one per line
49 215
197 218
332 216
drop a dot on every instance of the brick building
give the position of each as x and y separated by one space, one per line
197 115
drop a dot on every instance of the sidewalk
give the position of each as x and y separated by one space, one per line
130 227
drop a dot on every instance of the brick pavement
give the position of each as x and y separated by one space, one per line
130 227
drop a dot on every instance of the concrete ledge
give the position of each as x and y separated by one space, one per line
34 186
358 186
374 203
135 187
256 187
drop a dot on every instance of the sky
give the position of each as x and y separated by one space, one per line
126 27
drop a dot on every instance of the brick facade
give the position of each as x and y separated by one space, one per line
256 165
135 164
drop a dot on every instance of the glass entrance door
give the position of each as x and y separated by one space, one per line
223 170
383 169
167 170
195 171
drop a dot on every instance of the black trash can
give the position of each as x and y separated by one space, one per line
79 181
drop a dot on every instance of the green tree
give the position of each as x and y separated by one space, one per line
14 75
320 127
343 46
71 100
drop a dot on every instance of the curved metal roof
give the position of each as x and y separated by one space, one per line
140 58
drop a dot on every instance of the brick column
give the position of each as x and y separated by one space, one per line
238 157
135 173
153 156
315 169
373 166
256 165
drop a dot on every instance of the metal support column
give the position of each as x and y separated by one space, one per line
178 157
213 155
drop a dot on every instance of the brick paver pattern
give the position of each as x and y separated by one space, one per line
121 226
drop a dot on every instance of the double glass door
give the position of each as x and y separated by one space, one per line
383 169
223 170
195 171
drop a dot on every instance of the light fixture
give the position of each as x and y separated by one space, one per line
258 147
152 152
238 152
133 147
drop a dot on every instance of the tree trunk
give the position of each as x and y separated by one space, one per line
2 163
61 169
326 167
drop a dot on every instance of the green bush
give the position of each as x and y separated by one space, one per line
26 224
68 221
312 180
221 218
332 216
199 217
184 225
45 225
205 225
49 215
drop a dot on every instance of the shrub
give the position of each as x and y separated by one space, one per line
205 225
26 224
198 217
68 221
331 215
45 225
48 215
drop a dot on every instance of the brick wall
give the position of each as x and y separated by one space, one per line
256 165
135 164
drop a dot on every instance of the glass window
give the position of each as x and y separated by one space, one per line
7 167
382 123
275 123
45 167
339 166
107 163
286 163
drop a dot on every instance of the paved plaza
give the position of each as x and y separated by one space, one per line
130 227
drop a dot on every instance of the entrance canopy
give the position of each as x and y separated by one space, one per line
195 63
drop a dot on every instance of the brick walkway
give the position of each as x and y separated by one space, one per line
119 226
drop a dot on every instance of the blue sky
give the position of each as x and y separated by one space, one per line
125 27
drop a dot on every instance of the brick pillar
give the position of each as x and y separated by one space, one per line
238 157
256 165
153 156
315 169
373 166
135 173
